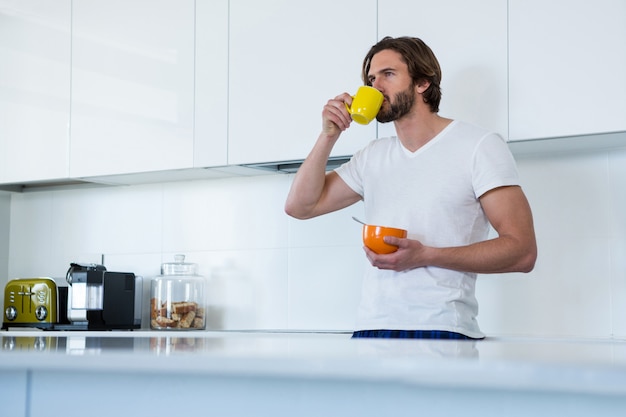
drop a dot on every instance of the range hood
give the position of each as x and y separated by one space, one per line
290 167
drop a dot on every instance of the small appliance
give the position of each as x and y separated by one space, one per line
32 302
102 300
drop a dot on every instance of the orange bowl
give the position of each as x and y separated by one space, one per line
373 238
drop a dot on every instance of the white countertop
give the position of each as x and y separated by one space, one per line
593 366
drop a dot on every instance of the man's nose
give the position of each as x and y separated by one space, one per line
377 85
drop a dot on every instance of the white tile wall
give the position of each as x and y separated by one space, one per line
578 287
268 271
617 215
5 207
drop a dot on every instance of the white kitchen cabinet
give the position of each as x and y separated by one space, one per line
567 67
314 374
287 59
35 49
211 89
132 86
14 394
470 41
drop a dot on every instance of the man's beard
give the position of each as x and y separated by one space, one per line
403 104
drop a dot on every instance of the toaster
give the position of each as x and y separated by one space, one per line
31 302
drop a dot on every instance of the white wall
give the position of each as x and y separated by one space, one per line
578 287
5 205
283 273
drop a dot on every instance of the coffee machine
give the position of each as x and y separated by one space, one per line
101 300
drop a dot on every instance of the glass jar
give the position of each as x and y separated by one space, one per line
178 299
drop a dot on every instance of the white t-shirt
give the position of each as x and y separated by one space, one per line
433 193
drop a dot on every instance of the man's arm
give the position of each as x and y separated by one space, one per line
514 250
313 191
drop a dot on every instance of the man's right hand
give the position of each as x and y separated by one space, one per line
335 117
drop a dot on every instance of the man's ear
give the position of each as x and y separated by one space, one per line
422 86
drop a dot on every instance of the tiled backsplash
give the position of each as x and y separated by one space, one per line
5 207
268 271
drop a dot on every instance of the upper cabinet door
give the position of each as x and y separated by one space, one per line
132 86
567 67
287 59
469 39
34 90
211 104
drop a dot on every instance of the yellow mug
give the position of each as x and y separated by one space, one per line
365 104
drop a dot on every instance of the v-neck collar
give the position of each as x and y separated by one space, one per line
438 136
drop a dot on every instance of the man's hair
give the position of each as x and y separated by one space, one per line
419 58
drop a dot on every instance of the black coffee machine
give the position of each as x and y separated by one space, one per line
101 300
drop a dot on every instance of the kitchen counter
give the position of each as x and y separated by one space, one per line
305 374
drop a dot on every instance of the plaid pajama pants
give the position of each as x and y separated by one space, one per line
410 334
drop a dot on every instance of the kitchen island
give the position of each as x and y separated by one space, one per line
289 373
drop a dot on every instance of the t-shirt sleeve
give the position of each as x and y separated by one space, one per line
350 172
494 165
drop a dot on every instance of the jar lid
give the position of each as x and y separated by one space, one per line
179 267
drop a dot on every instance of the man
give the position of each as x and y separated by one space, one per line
443 180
